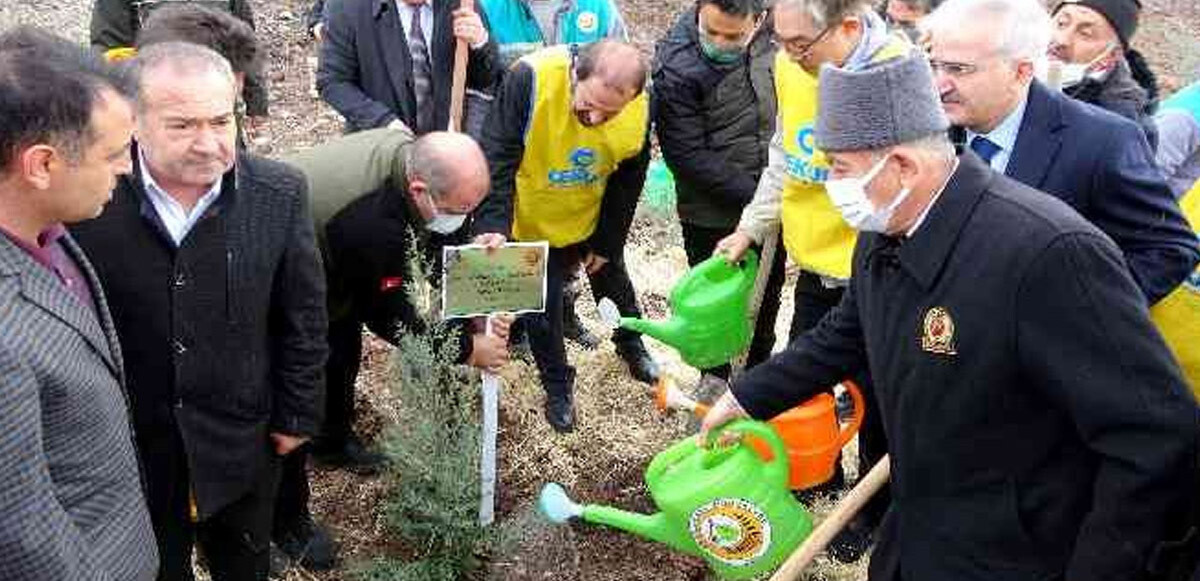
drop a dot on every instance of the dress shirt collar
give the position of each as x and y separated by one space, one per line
177 220
1004 135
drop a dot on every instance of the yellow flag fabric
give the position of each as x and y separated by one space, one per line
1178 315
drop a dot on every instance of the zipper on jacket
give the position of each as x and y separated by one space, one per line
229 285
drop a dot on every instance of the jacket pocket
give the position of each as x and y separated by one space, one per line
979 534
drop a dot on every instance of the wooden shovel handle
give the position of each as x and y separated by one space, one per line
458 85
835 521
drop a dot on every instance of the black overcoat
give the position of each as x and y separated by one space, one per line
1038 426
224 337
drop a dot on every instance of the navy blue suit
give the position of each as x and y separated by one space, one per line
1100 164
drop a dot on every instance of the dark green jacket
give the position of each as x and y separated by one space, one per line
369 232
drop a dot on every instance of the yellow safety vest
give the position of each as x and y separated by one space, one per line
1178 315
566 165
814 233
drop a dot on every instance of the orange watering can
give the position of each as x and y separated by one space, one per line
811 433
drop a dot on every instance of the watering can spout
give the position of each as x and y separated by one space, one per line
651 526
669 332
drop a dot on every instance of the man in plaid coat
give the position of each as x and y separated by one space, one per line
71 503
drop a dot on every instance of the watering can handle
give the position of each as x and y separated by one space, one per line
669 457
777 468
860 410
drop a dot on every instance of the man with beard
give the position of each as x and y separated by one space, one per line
568 148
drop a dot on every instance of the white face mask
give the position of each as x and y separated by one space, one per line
443 223
1071 74
849 196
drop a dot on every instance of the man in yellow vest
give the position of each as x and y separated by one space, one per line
567 145
791 193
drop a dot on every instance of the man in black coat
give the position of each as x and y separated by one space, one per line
1039 428
216 289
380 203
713 108
367 70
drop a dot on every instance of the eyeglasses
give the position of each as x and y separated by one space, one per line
791 44
953 69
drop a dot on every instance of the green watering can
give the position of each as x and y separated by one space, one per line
722 503
709 324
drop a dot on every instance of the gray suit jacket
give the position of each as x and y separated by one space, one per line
71 504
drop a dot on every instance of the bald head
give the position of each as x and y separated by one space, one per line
617 64
450 168
609 74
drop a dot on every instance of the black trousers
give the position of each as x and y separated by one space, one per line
235 541
546 329
341 371
813 301
699 242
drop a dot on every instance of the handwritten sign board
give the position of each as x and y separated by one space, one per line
509 279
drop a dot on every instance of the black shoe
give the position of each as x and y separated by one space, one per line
348 453
641 365
853 541
307 543
560 412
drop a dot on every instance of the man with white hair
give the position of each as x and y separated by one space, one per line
210 263
983 54
1039 428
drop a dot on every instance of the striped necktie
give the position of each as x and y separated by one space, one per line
422 71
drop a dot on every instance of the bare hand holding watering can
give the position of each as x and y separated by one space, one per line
734 246
724 410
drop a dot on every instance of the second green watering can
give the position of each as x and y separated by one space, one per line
709 325
722 503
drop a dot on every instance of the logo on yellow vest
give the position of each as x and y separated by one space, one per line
801 167
580 172
938 334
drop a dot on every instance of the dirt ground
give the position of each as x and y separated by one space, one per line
603 461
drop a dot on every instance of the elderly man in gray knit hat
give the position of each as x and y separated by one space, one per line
1038 426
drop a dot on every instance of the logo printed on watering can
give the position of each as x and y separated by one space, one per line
734 531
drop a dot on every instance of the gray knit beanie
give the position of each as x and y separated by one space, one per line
888 104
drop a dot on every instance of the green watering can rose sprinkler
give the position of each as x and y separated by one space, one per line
721 502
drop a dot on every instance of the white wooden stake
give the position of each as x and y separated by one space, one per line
487 460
